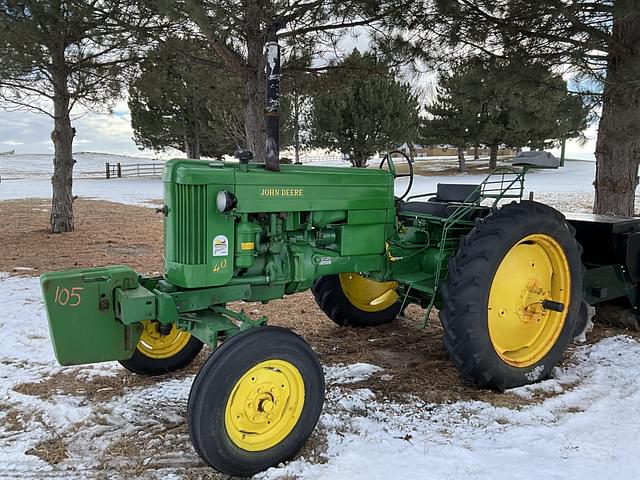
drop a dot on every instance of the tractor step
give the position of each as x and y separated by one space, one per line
423 282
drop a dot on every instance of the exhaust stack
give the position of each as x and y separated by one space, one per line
272 107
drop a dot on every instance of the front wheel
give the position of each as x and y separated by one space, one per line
162 349
512 296
255 401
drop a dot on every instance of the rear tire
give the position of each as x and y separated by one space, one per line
157 354
330 295
496 330
255 401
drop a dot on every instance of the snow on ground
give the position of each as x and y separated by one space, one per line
569 188
132 191
30 166
587 427
588 431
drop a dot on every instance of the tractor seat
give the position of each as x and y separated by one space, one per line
448 198
456 192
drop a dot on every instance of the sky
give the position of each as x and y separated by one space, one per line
27 132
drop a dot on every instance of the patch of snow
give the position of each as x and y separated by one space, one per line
357 372
589 431
585 422
132 191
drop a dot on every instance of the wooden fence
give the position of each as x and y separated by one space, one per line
119 170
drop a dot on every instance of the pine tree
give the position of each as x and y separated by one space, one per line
599 40
237 29
504 102
183 98
362 109
60 56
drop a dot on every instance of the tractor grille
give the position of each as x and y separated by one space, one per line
190 233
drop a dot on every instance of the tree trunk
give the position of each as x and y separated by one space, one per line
191 147
618 144
61 219
493 156
462 166
359 159
412 151
196 141
476 153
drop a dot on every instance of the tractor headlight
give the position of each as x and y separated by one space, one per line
225 201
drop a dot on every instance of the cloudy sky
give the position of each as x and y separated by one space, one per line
27 132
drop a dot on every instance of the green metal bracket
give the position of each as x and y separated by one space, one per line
209 325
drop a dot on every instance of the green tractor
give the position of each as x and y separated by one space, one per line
507 278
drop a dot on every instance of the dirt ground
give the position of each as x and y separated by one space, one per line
415 364
106 234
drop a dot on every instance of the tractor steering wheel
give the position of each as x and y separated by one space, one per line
387 158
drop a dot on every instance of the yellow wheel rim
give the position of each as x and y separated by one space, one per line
368 295
265 405
521 330
153 344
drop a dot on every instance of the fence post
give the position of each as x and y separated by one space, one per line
107 170
138 165
119 170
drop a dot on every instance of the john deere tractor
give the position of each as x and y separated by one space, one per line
507 279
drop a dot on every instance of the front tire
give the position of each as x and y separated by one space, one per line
255 401
160 352
498 331
349 299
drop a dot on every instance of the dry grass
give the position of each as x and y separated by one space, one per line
106 233
95 389
52 450
14 419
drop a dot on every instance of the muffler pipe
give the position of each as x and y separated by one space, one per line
272 107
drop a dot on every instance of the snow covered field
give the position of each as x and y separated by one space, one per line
586 428
29 166
583 423
569 188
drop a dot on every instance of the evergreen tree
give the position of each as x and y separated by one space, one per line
362 108
237 29
60 56
184 98
600 40
504 102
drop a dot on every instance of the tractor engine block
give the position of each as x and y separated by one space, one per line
246 225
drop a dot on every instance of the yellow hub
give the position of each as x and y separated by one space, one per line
522 331
368 295
265 405
154 344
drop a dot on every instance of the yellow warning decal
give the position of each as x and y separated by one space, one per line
247 246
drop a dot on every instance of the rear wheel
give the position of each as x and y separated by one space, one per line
349 299
162 349
512 296
255 401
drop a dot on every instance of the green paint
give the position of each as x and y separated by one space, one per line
287 229
82 315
